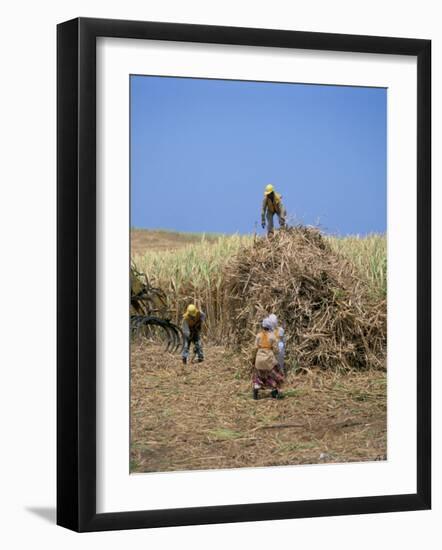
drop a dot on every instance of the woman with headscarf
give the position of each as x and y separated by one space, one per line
266 373
279 334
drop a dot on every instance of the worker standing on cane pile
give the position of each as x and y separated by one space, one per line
192 324
271 205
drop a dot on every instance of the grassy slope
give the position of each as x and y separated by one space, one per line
144 240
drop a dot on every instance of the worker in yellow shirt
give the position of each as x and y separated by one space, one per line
192 324
271 205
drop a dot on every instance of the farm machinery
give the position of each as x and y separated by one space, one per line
149 312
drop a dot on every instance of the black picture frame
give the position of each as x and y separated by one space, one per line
76 274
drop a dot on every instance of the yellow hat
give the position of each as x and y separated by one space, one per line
269 189
191 310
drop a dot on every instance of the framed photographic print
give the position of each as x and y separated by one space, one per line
243 274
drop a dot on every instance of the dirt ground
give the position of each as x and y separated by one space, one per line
202 415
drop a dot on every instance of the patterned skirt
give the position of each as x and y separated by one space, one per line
272 379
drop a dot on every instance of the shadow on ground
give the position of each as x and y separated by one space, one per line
47 513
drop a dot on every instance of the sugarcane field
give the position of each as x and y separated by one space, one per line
330 296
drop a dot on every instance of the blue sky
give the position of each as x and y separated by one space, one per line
202 152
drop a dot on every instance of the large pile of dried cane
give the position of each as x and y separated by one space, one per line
324 304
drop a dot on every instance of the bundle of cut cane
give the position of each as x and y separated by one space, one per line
330 318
